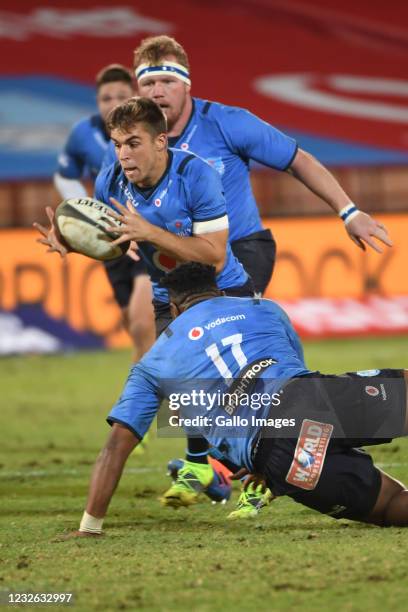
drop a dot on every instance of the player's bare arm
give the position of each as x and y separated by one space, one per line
207 248
50 236
362 228
105 478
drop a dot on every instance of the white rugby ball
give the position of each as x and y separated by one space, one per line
83 224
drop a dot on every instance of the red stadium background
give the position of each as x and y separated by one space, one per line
231 45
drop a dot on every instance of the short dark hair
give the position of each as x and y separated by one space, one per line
114 73
190 278
137 110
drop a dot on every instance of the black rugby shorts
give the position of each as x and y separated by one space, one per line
257 254
120 273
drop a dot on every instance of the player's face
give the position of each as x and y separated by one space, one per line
110 95
170 93
140 154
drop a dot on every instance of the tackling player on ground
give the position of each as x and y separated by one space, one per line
255 347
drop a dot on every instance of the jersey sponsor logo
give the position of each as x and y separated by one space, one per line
180 227
163 262
196 333
368 373
158 202
164 191
222 320
184 146
373 391
242 385
310 453
217 164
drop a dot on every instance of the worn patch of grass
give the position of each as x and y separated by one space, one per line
52 415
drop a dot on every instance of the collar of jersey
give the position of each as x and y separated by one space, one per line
173 140
150 190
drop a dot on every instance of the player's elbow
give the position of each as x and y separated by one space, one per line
219 262
216 250
216 256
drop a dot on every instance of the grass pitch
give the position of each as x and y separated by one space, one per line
153 558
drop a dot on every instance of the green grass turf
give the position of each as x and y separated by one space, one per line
152 558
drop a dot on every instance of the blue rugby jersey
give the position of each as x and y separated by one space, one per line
84 150
212 341
228 138
187 201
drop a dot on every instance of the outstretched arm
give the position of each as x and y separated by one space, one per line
105 478
361 227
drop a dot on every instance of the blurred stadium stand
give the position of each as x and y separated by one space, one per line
376 189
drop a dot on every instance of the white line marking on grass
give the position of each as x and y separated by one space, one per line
4 475
71 472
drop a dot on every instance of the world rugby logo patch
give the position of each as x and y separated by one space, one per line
310 453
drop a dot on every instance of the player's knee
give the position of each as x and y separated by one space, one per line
396 511
387 509
121 440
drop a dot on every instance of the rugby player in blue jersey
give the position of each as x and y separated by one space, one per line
171 203
301 440
88 140
82 159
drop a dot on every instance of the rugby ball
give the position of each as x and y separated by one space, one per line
83 224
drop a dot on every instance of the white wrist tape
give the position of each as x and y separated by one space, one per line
349 212
91 524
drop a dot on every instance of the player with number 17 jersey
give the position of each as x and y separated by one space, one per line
213 340
188 200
